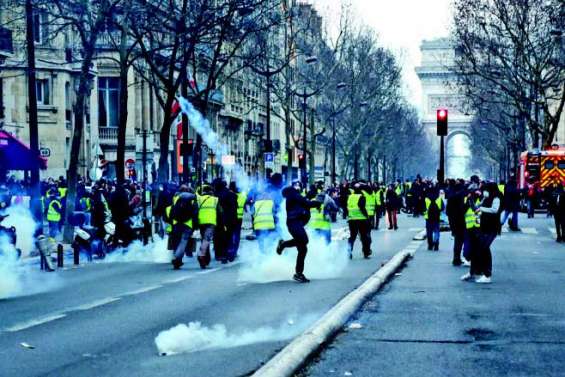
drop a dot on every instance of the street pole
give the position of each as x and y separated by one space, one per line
184 149
33 131
304 139
333 151
144 162
441 170
268 143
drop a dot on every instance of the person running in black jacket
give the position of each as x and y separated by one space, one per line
298 215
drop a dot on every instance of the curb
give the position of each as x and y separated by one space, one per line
291 358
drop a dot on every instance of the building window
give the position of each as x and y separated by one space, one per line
42 91
108 101
40 27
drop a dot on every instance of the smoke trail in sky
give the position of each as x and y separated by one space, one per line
201 125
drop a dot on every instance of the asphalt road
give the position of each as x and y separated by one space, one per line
102 318
426 322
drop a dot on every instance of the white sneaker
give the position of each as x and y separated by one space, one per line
483 280
467 277
466 263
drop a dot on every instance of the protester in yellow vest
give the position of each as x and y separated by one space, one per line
358 220
264 221
54 211
320 218
370 203
182 214
208 211
434 206
472 229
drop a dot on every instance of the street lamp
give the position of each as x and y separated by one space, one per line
309 60
339 86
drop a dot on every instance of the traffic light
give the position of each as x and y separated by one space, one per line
442 122
301 161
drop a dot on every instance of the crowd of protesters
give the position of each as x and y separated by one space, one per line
474 210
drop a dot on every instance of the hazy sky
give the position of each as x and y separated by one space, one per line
401 26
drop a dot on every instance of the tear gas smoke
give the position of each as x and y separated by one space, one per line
21 218
196 337
322 261
153 252
201 125
18 278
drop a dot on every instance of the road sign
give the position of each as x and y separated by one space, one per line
269 160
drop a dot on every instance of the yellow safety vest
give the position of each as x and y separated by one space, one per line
318 220
264 218
353 210
241 200
501 189
62 192
170 222
173 222
471 218
378 201
207 210
428 201
398 190
52 214
85 202
370 203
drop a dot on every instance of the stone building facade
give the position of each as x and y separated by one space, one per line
238 116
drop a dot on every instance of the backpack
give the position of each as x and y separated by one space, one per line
183 210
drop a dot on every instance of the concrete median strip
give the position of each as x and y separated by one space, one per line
291 358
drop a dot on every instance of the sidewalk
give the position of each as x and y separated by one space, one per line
429 323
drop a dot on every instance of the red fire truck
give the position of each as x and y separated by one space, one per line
542 167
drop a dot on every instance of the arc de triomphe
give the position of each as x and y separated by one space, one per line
436 78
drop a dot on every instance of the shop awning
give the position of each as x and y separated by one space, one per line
15 155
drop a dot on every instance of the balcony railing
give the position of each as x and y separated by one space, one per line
108 135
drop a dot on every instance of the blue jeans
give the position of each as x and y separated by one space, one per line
513 221
53 229
266 240
432 232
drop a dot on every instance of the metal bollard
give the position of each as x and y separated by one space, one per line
60 256
76 255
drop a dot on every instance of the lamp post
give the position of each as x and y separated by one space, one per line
309 60
339 86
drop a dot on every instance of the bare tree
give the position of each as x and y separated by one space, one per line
516 49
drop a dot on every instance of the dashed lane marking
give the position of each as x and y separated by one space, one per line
94 304
35 322
178 280
143 290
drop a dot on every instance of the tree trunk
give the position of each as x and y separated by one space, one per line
72 174
122 125
164 138
312 159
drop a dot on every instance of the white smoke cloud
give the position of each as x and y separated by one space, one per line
18 278
21 218
193 337
10 271
153 252
322 261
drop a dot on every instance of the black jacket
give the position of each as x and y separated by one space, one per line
297 206
228 201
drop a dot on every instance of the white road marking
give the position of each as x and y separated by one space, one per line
178 280
415 229
94 304
529 231
35 322
142 290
